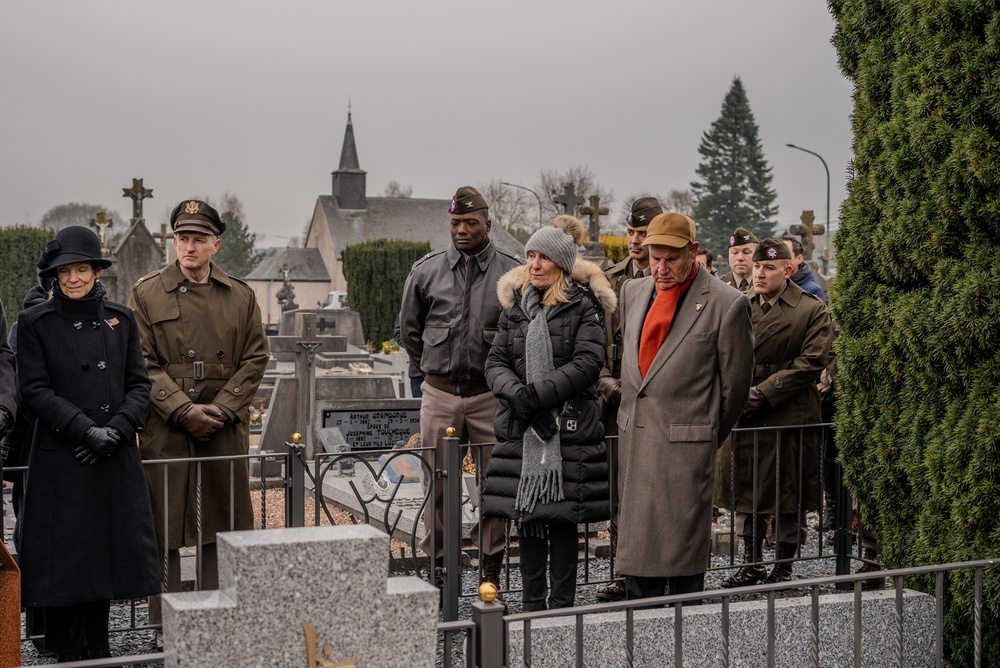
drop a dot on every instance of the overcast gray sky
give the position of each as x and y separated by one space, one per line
246 96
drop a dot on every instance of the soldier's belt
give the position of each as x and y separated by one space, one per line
460 388
765 370
201 371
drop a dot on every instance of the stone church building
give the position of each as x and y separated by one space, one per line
350 216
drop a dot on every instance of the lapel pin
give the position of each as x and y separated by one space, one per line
697 307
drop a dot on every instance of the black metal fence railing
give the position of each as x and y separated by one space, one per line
490 614
290 491
822 474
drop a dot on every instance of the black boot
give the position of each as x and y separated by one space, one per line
99 651
829 513
874 583
614 590
492 566
782 571
750 573
67 657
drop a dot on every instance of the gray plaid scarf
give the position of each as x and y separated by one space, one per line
541 461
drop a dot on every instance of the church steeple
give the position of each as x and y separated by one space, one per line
349 152
349 179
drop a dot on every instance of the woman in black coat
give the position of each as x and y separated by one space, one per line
548 471
86 524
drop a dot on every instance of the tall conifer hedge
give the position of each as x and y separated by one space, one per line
375 272
917 294
20 248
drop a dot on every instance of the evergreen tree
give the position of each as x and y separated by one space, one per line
917 294
377 301
734 189
236 254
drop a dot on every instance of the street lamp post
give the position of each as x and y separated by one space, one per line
829 232
514 185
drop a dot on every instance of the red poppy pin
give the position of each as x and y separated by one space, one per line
112 322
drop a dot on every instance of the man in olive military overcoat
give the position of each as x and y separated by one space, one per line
206 352
792 338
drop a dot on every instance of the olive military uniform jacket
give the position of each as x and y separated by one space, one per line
577 336
617 275
791 346
203 343
448 316
672 422
86 531
731 280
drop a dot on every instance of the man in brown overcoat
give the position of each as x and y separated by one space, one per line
792 337
206 352
686 373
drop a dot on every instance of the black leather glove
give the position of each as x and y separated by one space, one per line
98 442
545 425
524 403
610 390
755 403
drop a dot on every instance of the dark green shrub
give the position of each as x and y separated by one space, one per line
917 294
375 272
20 248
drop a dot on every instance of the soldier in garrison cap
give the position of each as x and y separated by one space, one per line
447 320
206 352
636 265
792 337
742 244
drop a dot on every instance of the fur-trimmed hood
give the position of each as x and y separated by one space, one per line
585 273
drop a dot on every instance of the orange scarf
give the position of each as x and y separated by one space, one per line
658 320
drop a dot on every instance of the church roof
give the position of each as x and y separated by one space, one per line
349 152
406 218
305 264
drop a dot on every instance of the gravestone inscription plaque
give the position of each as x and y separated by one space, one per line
374 429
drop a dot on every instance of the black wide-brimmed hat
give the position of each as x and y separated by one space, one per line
72 245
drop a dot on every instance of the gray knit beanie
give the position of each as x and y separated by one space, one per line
554 244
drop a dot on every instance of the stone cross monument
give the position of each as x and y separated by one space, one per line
138 193
286 295
102 224
806 231
569 200
595 249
